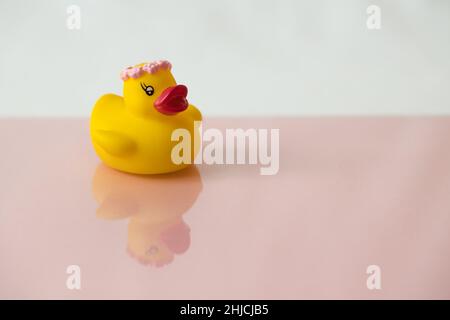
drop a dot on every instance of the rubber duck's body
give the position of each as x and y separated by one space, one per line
133 133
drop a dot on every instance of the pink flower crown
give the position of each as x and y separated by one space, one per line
151 67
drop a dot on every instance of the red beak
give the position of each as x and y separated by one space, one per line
172 100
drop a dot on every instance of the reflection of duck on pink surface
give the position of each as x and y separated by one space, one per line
154 206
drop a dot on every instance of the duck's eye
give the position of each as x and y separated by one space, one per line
149 90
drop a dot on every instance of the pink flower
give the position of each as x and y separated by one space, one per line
135 72
151 67
124 75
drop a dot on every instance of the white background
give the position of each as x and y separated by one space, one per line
239 57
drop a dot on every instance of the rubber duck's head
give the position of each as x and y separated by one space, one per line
150 89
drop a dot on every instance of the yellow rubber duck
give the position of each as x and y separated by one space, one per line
133 133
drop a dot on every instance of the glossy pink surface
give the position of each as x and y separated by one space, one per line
351 192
